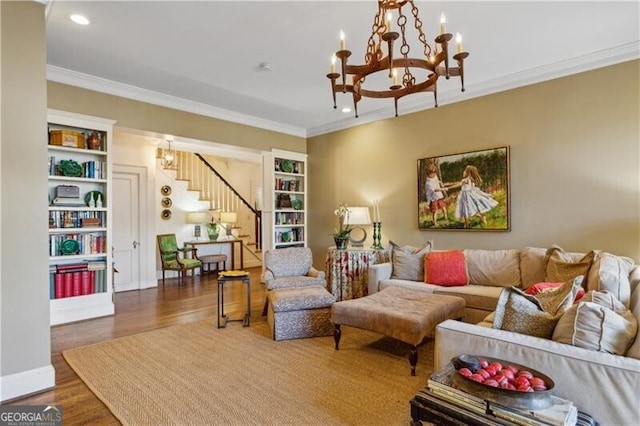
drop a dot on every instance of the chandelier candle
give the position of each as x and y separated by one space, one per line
414 74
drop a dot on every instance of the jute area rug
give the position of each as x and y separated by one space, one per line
196 374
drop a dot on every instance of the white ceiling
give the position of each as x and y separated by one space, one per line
203 56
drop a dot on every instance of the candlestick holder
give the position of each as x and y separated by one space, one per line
377 236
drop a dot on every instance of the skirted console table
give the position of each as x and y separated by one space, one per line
347 270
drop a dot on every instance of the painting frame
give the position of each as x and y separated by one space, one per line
467 191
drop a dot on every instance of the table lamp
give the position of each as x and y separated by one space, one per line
358 216
228 219
197 218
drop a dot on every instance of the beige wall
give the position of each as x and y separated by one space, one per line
25 354
147 117
575 175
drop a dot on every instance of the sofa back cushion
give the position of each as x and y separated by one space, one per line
495 268
533 265
634 307
611 273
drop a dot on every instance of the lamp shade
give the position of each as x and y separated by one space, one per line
197 217
358 216
228 217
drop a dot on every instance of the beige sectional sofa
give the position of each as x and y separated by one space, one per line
605 385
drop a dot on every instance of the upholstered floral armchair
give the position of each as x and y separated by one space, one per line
291 267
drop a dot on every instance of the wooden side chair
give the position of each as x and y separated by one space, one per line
174 258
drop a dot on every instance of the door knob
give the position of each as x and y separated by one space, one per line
136 244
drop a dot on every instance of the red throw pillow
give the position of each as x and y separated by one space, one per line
446 268
542 287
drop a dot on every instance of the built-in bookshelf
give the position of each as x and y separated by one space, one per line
80 260
285 199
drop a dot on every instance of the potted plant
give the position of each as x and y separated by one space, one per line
342 233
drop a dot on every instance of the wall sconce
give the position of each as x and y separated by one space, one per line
358 216
197 218
168 157
228 219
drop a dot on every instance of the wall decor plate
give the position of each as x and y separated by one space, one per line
69 246
165 214
70 168
96 195
286 166
297 204
166 202
165 190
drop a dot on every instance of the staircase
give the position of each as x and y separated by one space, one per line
214 190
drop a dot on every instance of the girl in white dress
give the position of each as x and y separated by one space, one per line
472 200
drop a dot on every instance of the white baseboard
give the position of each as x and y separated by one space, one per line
15 385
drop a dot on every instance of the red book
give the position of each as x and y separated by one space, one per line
85 284
59 286
77 281
68 285
92 282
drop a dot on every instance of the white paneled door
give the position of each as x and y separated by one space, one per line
126 229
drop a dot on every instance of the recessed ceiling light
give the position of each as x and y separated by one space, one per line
346 109
79 19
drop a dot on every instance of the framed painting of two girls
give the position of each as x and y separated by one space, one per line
467 191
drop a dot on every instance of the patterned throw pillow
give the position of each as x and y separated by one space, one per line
542 287
446 268
563 266
534 315
600 322
408 262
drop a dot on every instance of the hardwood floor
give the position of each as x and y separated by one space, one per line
136 312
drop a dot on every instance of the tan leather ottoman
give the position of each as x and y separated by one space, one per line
406 315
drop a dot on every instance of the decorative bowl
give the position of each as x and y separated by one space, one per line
537 400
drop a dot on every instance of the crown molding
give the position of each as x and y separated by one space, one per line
86 81
593 60
587 62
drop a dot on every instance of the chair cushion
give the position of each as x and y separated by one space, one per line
295 281
288 262
188 264
481 297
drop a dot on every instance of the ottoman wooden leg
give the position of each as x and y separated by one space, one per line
413 359
337 333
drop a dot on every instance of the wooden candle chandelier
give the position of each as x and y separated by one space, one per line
399 67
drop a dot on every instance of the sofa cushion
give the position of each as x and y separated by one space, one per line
533 265
591 325
634 350
476 296
408 262
611 273
446 268
496 268
534 315
563 266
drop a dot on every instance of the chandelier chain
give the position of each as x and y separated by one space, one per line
418 26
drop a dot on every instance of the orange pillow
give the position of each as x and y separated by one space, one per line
446 268
542 287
